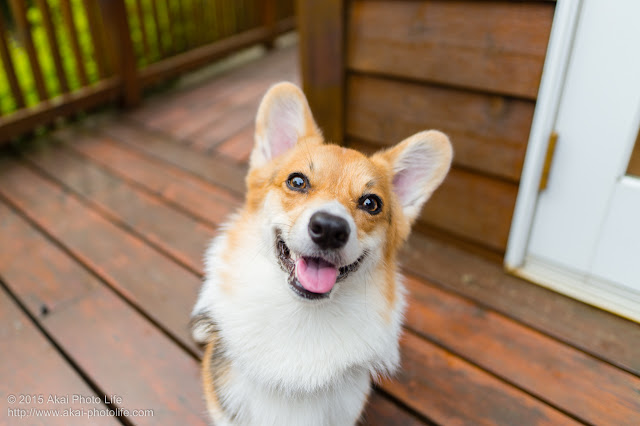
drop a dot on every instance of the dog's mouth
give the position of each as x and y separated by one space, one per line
312 277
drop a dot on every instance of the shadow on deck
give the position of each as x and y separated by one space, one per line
103 225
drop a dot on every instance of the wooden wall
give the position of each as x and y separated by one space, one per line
468 68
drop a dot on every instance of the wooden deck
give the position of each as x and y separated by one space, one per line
102 229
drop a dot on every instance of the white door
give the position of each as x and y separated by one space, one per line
584 235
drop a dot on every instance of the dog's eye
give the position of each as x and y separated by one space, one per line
298 182
370 203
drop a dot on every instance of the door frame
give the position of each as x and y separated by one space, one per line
595 292
554 71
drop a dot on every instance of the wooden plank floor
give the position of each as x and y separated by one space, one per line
102 229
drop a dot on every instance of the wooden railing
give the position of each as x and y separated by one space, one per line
61 57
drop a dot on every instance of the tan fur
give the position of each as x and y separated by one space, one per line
210 395
215 374
339 173
342 174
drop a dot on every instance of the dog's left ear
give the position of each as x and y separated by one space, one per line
419 165
283 118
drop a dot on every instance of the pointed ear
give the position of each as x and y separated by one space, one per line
419 164
283 118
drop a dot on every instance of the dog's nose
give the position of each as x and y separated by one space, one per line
328 231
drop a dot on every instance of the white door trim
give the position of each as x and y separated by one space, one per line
544 117
594 291
588 288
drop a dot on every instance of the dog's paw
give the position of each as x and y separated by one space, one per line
203 328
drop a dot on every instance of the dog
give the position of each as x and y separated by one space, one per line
303 303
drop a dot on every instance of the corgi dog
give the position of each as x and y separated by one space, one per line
303 303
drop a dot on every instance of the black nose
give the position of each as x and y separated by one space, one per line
328 231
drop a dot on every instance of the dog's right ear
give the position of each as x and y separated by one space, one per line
283 118
419 164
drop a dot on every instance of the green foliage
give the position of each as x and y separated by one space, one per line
41 42
181 25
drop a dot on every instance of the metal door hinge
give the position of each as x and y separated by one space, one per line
548 159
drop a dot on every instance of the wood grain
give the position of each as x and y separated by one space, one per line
93 309
187 102
206 54
196 120
127 353
120 350
138 272
532 361
490 46
474 207
269 12
149 210
40 271
592 330
31 366
380 411
216 170
489 133
207 202
24 120
120 47
448 390
321 28
227 126
239 146
96 30
138 210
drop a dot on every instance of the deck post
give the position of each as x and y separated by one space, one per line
269 14
321 26
121 49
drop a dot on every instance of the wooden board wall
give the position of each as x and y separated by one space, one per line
321 30
468 68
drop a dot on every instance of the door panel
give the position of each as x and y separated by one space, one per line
587 221
618 252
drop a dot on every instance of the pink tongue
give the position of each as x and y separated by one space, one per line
316 275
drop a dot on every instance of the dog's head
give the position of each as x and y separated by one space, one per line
329 211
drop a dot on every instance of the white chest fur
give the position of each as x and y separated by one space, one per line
293 360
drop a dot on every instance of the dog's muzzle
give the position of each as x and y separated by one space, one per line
294 264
